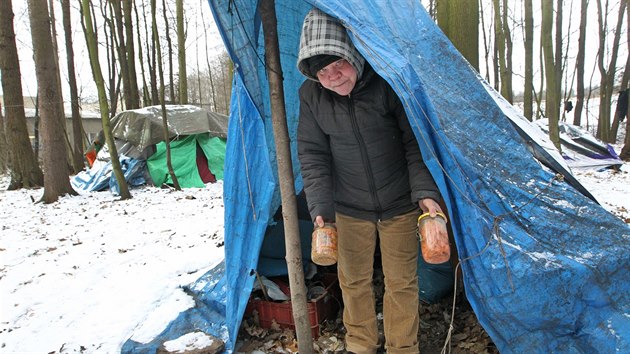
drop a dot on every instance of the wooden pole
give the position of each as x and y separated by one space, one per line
285 176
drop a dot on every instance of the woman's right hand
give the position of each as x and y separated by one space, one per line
319 221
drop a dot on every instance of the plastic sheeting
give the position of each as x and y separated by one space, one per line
209 294
184 164
143 127
545 267
582 150
100 176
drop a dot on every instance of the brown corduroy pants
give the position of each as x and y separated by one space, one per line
399 254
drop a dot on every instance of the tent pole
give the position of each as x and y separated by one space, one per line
285 175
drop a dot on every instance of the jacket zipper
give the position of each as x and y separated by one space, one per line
364 158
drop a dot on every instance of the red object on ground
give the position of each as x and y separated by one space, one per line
323 307
91 157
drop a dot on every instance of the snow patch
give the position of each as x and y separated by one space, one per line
189 341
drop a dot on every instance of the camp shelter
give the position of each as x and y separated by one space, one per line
545 267
143 127
580 149
195 132
198 143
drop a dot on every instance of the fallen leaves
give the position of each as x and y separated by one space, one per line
467 335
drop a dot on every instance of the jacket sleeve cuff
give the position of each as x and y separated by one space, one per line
419 195
328 213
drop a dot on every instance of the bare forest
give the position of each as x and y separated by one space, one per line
549 58
101 57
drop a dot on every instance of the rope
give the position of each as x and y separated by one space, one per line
447 341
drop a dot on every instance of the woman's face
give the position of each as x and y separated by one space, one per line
339 76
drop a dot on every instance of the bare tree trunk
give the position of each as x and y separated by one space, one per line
486 50
213 85
4 153
567 91
223 82
4 150
56 181
146 92
171 81
53 28
36 141
121 47
21 160
507 36
495 63
538 96
227 86
285 177
581 55
558 57
212 88
110 47
529 61
181 53
199 78
579 95
134 100
102 99
113 79
625 151
155 92
151 62
458 21
501 44
607 75
623 95
588 97
77 125
167 142
552 106
602 20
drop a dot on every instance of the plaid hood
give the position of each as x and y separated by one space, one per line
322 34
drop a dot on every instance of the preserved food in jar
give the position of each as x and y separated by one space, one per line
434 238
324 245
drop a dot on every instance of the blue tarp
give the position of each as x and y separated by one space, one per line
545 267
100 176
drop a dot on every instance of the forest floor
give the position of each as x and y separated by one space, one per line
467 335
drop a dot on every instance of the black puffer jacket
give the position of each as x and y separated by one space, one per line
354 151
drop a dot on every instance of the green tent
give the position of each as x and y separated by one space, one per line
189 171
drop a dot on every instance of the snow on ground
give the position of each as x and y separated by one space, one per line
88 272
610 187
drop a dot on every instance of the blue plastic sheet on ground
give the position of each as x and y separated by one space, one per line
100 176
208 314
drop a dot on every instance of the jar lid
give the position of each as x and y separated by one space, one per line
427 215
327 225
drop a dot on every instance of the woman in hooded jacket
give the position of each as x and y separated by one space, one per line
363 171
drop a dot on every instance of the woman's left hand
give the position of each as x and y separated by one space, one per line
430 206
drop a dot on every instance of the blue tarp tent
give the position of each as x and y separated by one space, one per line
545 267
